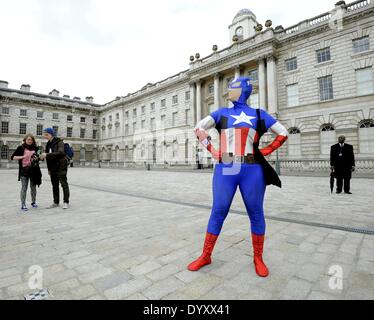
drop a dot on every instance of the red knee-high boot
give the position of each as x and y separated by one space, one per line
205 259
258 248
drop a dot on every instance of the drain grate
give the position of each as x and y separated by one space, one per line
38 295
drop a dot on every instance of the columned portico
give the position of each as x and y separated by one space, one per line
272 85
262 84
237 72
198 102
217 90
193 102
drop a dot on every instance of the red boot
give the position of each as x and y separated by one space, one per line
258 248
205 259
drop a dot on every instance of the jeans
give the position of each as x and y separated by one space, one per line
25 183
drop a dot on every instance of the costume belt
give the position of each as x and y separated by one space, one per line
229 158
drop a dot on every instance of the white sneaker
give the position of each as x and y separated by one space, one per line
65 206
52 206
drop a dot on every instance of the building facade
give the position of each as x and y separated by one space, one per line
316 77
23 112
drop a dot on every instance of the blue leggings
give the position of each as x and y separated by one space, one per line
251 182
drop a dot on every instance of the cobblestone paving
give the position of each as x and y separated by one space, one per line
112 245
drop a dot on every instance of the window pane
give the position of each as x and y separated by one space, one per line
293 95
4 127
291 64
211 89
22 128
5 110
294 145
361 45
326 88
39 130
253 74
366 140
4 152
254 100
69 132
328 138
323 55
56 130
364 78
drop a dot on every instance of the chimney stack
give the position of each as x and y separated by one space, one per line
89 99
54 93
25 87
77 98
4 84
66 96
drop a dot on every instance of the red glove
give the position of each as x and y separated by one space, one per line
275 145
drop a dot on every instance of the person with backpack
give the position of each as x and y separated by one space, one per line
57 164
29 170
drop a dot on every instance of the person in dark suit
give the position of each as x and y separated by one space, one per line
342 160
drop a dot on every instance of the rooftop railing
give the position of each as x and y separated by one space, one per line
358 5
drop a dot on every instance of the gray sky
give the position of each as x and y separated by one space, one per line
107 48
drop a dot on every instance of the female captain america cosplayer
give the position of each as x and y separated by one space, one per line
240 165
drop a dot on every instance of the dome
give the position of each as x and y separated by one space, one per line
244 12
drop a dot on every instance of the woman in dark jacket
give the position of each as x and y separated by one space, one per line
29 170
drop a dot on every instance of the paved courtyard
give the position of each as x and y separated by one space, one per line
130 234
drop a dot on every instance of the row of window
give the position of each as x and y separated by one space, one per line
324 55
5 153
366 124
40 115
328 138
252 74
364 86
174 123
175 101
39 130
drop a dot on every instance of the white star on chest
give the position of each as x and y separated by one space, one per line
243 118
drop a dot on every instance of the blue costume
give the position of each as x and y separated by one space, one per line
237 167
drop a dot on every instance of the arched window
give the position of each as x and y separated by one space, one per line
293 131
294 142
4 152
83 154
186 153
94 154
104 155
327 128
175 149
366 136
117 154
328 138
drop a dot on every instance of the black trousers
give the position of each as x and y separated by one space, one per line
57 178
343 179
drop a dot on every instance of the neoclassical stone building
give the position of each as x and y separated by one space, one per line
316 77
23 111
